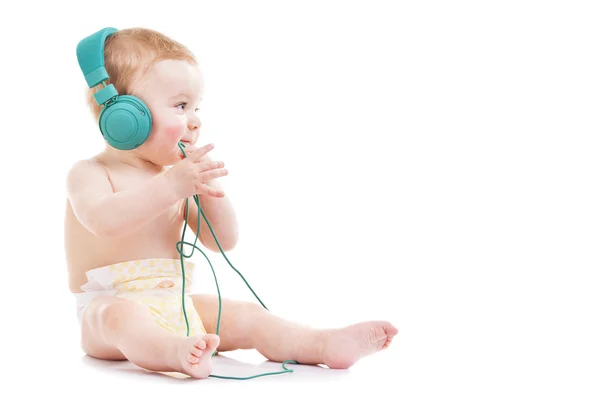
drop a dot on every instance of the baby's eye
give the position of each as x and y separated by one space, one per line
181 104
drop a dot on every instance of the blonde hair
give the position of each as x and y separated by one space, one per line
129 54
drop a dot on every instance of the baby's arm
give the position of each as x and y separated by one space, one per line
105 213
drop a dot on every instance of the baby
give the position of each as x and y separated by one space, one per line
125 213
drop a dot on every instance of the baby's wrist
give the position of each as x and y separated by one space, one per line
167 187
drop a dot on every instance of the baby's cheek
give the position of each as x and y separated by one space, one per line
174 131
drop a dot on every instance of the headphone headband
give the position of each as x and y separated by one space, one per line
90 55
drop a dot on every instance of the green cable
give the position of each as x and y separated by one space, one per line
179 246
256 376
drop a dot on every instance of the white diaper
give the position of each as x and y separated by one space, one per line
156 283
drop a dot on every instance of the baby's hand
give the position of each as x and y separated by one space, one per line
192 149
189 175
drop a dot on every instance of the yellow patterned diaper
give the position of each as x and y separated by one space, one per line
155 283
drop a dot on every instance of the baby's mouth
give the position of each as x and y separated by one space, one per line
181 144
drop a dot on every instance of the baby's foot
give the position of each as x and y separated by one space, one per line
345 346
194 355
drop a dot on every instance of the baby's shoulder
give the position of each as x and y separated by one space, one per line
86 166
85 169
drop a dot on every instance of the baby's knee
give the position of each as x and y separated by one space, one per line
102 314
249 312
251 308
110 312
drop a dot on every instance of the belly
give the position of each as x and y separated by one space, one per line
86 251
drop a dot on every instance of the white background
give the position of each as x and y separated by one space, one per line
430 163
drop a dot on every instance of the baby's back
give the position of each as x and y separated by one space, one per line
157 239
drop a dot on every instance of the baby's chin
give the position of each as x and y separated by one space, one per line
165 160
174 157
169 162
162 157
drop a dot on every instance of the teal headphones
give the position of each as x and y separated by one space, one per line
125 121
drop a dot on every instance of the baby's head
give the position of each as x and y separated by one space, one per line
165 75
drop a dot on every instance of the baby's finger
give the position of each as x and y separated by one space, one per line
195 154
208 165
211 191
213 174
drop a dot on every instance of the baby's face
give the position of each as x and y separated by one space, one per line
172 90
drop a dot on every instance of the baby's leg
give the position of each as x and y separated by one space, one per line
116 328
247 325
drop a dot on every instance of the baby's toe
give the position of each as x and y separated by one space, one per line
390 329
212 341
196 351
201 344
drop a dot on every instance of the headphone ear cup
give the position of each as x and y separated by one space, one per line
126 122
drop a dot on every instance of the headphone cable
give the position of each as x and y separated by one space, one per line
179 246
